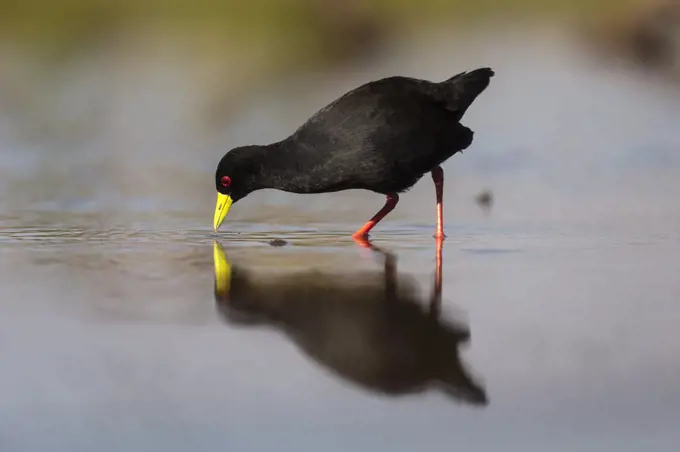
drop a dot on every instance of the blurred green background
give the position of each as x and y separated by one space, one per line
290 31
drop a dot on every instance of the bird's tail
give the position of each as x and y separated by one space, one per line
462 89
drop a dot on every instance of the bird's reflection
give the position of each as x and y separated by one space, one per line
370 329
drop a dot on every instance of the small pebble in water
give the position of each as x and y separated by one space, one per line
485 199
278 242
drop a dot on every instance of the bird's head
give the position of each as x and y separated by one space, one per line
236 176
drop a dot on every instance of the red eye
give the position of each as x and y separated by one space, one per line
226 181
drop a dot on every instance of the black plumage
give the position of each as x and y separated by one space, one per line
382 136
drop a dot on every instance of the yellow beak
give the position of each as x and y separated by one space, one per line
222 271
221 210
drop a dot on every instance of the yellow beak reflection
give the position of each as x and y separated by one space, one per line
221 210
222 271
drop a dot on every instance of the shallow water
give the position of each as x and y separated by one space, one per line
111 337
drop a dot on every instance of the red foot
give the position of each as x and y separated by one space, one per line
390 202
362 241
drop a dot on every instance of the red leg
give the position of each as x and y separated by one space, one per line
438 268
390 203
438 178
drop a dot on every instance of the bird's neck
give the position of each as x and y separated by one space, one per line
282 167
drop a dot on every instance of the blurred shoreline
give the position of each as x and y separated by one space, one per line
291 33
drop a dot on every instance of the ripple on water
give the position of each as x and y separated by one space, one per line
240 234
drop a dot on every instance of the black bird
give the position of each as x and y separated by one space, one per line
382 136
369 328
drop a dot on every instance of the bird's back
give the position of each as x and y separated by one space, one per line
384 135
